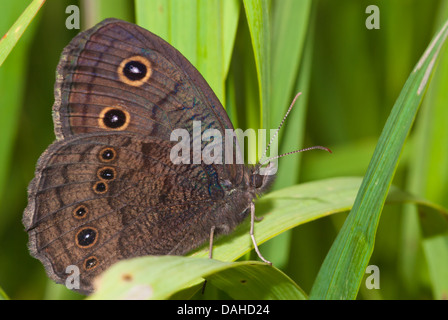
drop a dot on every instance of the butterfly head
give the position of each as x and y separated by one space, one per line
261 179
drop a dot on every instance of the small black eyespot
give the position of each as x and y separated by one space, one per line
100 187
86 237
106 174
114 118
80 212
107 154
90 263
135 70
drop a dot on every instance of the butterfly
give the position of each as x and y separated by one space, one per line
107 189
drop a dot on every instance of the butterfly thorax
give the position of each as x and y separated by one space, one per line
239 195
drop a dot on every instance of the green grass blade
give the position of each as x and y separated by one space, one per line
289 24
10 39
203 30
289 29
161 277
428 176
257 13
95 11
230 16
436 253
3 295
244 106
291 60
342 271
154 15
12 80
250 282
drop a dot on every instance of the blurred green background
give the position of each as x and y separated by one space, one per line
350 78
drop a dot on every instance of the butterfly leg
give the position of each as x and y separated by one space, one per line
252 222
210 253
210 248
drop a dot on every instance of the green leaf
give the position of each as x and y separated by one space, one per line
290 21
292 59
202 30
3 295
428 174
292 47
436 253
257 13
342 271
161 277
95 11
13 78
10 39
256 281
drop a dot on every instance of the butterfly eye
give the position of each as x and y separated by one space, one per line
256 181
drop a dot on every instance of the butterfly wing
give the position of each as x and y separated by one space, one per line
118 76
89 208
120 65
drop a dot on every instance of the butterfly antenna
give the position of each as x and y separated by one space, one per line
295 151
278 129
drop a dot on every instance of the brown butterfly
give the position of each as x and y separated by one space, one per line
107 189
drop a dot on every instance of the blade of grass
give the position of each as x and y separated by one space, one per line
244 102
10 39
3 295
257 13
289 29
286 64
154 15
436 253
210 50
250 282
204 31
98 10
429 177
342 271
12 79
161 277
231 14
291 135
